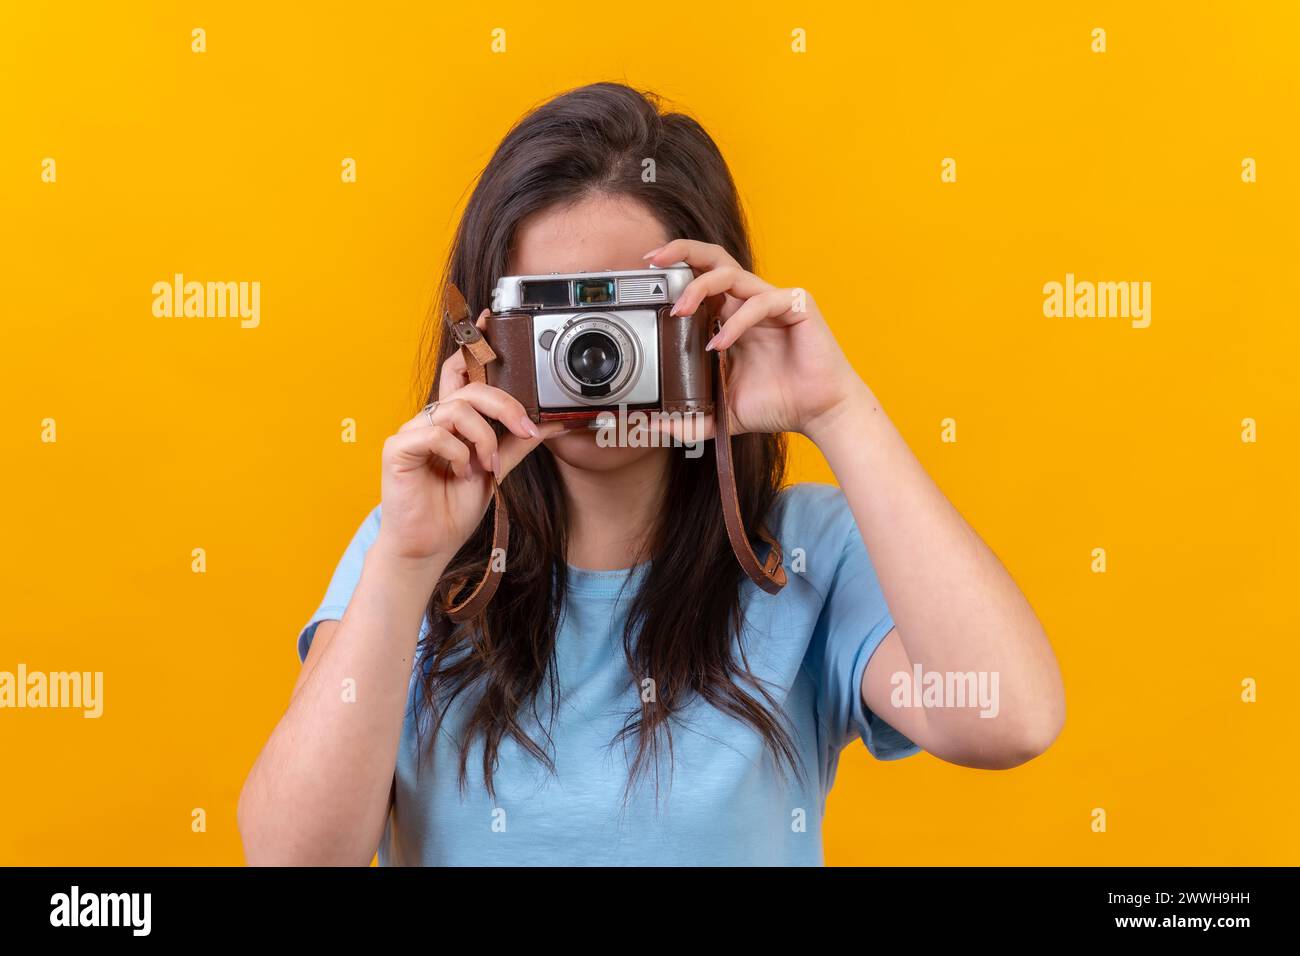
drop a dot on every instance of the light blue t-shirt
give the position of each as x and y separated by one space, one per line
726 803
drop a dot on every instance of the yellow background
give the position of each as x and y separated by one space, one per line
1072 434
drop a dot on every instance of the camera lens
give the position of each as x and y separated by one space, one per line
593 358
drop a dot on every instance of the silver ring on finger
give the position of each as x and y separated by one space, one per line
428 411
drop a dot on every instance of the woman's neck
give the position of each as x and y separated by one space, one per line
611 513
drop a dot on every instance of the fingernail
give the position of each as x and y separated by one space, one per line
651 253
527 425
496 465
708 346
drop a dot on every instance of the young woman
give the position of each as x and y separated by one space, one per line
629 696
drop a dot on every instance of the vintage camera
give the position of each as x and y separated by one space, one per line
576 346
570 346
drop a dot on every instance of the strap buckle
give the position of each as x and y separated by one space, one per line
464 331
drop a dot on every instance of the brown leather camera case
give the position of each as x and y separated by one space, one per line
685 369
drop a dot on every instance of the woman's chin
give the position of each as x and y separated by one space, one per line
579 449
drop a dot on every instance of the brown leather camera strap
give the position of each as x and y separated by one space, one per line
478 355
768 575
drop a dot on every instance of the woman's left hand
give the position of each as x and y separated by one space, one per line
787 372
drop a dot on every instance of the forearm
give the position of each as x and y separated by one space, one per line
955 608
318 793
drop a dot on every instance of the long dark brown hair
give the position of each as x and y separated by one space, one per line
684 620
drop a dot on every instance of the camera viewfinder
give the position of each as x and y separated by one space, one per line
593 291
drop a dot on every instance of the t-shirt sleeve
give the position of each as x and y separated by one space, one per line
343 582
853 622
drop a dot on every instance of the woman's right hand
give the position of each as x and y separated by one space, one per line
437 475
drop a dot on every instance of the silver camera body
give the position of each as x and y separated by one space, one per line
595 335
